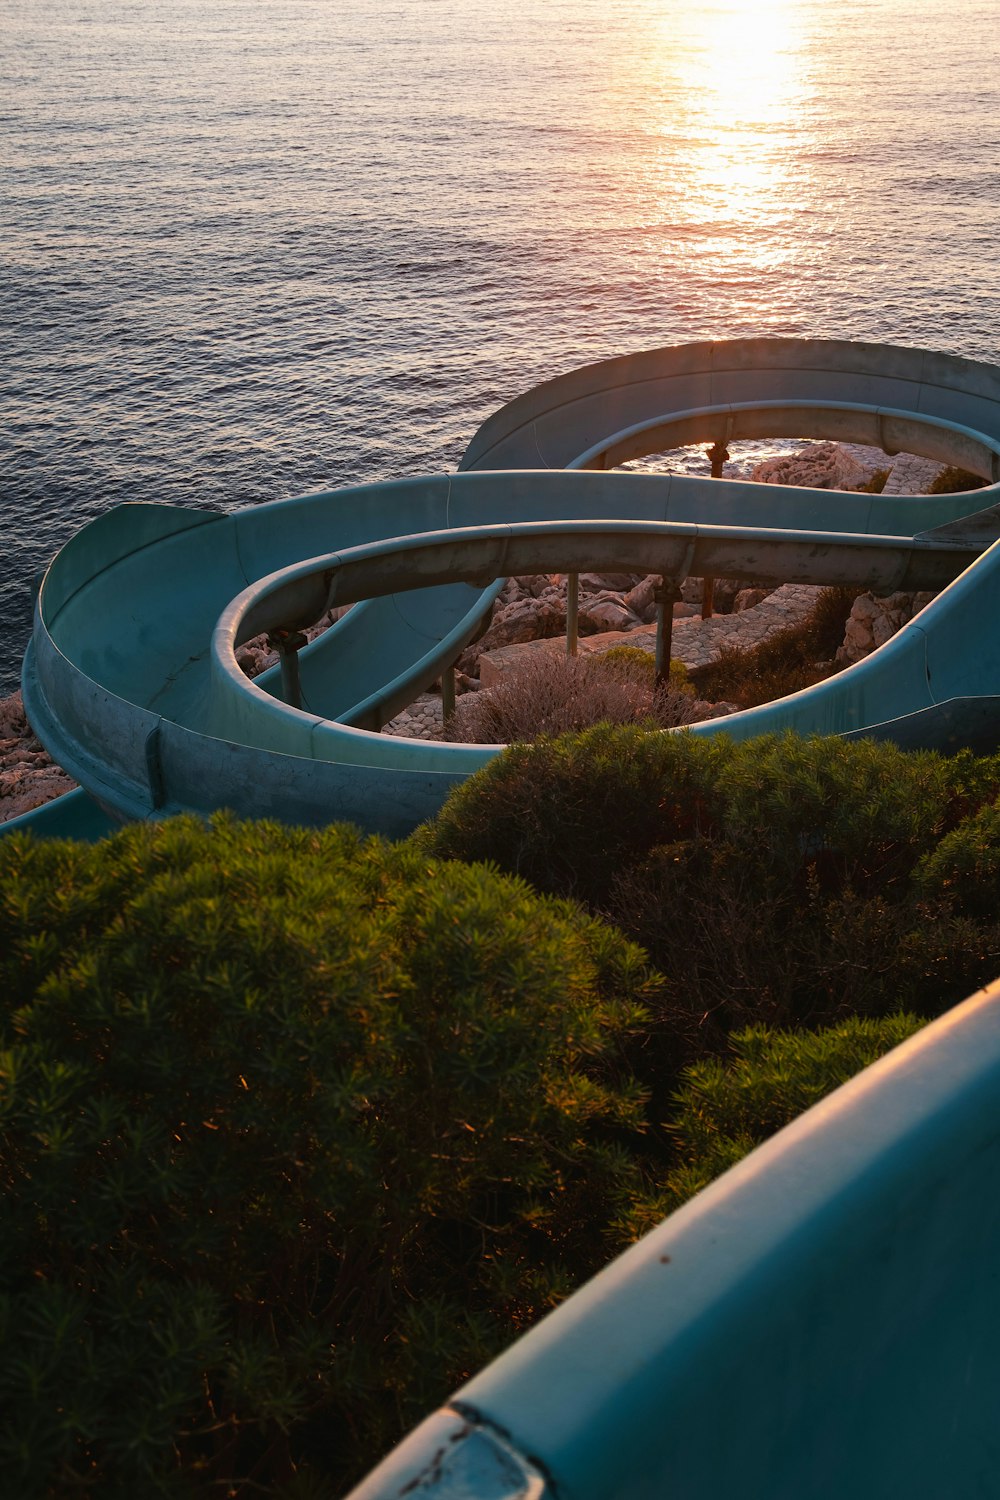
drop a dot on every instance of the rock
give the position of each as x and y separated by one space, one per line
874 620
748 598
28 775
534 585
529 619
605 612
820 466
639 600
493 664
255 656
526 619
723 594
598 583
911 475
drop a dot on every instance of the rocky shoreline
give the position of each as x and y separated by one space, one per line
531 616
29 776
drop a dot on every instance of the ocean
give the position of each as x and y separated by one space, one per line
256 249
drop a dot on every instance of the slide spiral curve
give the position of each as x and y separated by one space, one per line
131 681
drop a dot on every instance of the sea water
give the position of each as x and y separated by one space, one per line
252 250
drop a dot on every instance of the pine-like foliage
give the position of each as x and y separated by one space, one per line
777 881
297 1130
727 1105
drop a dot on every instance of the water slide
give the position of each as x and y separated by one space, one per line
131 680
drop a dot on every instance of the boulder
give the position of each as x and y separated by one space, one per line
526 619
532 585
874 620
598 583
723 595
749 598
640 599
605 612
28 775
820 466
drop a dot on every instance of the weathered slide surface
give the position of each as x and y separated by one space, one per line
131 681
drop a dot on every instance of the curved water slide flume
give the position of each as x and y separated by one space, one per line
123 686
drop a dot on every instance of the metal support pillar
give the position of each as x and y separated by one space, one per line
572 612
448 694
665 595
717 456
288 643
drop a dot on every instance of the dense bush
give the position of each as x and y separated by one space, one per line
779 880
633 659
571 813
726 1106
566 813
300 1128
550 693
964 869
297 1130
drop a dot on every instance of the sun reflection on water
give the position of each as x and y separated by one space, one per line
734 84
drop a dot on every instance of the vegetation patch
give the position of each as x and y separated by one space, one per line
551 694
298 1130
952 481
875 484
780 881
726 1106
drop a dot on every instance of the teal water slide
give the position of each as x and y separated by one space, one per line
821 1322
131 680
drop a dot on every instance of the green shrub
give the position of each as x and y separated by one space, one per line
739 946
632 659
876 484
564 813
298 1129
965 867
728 1105
571 814
858 812
777 880
953 480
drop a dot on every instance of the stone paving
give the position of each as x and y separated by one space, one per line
423 720
908 473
